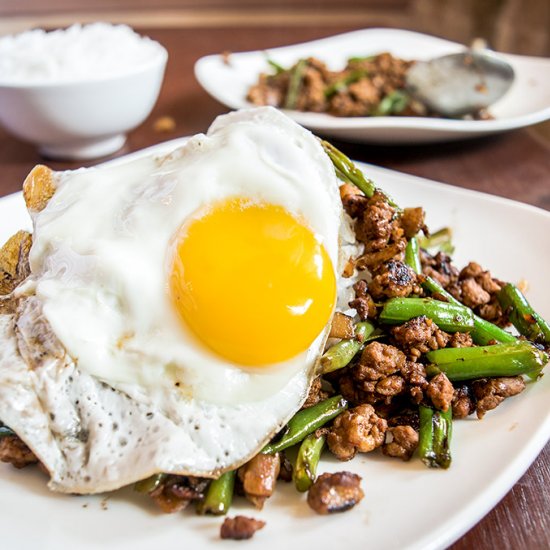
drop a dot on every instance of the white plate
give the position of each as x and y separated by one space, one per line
527 102
430 508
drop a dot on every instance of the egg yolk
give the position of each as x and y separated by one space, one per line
252 282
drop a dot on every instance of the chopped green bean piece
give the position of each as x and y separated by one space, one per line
511 359
307 421
340 354
149 484
528 323
447 316
219 495
412 258
296 77
304 473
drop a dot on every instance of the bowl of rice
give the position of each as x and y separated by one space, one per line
76 92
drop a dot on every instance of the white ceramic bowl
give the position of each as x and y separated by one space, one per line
84 119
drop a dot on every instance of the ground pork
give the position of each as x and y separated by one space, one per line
491 392
240 527
401 442
418 336
394 279
15 452
440 391
336 492
356 430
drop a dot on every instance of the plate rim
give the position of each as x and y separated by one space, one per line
318 121
481 504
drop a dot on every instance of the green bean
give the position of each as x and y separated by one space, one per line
304 473
393 104
343 83
278 68
348 172
340 354
219 495
295 83
149 484
483 332
435 437
441 240
511 359
447 316
412 258
307 421
528 323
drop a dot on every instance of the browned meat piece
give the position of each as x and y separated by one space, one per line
269 90
472 293
371 260
316 393
176 492
493 312
14 261
377 361
390 386
440 391
240 527
353 200
374 228
259 476
406 417
366 93
477 289
403 442
414 375
418 336
336 492
412 221
341 326
439 267
363 303
394 279
356 430
463 402
15 452
461 340
285 473
491 392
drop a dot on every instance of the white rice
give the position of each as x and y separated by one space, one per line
78 53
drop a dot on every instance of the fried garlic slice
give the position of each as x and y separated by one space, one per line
14 261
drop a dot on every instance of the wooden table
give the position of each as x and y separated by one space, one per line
515 165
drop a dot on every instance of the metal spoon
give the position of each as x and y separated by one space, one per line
461 83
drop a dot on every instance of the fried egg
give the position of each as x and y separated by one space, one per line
176 307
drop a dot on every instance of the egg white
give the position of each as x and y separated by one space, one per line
102 405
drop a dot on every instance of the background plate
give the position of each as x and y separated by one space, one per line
527 102
406 506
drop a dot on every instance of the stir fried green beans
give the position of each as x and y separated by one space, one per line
219 495
412 258
278 68
343 83
295 83
523 316
447 316
304 473
339 355
484 332
149 484
519 357
393 104
307 421
347 171
441 240
434 444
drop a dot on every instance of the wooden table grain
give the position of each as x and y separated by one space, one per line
514 165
